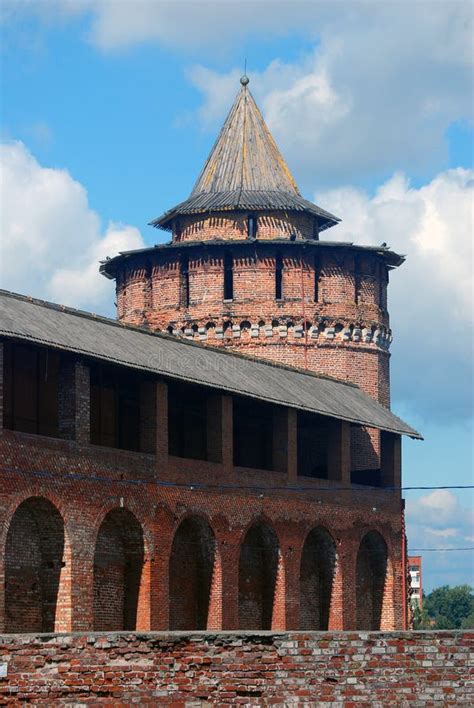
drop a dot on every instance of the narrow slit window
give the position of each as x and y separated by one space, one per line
317 275
356 281
228 277
185 282
278 277
316 229
252 226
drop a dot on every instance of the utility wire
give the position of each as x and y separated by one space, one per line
436 550
203 486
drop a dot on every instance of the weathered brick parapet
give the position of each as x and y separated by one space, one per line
251 668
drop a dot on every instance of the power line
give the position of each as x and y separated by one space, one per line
203 486
436 550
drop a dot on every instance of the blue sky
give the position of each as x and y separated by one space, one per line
109 111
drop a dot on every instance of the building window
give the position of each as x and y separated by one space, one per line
253 434
115 407
252 225
316 229
184 281
317 275
312 437
228 277
31 389
187 421
356 280
278 277
177 229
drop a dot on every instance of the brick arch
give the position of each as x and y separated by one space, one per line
37 569
194 576
130 504
119 579
261 578
374 583
317 579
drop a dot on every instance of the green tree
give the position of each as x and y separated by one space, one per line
449 606
468 622
420 618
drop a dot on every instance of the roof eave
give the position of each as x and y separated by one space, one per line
108 267
165 221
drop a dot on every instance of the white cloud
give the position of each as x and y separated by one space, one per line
431 296
443 533
438 513
436 510
376 95
51 240
438 520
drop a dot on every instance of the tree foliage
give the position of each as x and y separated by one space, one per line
446 608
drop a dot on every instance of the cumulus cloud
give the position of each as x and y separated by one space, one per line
52 241
439 520
376 94
431 296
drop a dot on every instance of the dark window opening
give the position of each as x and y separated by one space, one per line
252 225
177 229
278 277
115 407
370 478
184 282
312 445
228 277
316 229
317 275
31 389
187 421
356 281
365 458
253 434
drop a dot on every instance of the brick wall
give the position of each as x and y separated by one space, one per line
99 538
121 555
339 327
233 226
332 317
385 669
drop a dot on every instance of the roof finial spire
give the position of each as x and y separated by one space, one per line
244 79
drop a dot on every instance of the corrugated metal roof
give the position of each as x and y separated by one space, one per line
23 318
245 170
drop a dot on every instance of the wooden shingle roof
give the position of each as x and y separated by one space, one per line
245 171
245 155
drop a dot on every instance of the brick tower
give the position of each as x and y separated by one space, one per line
247 269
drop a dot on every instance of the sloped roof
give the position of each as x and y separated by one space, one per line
245 170
245 155
111 266
245 199
47 324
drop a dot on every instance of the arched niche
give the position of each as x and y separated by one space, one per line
37 582
118 572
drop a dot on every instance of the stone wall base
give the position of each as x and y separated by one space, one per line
246 668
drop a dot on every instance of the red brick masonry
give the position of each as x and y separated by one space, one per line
251 668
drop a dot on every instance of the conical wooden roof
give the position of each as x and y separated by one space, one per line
245 171
245 155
